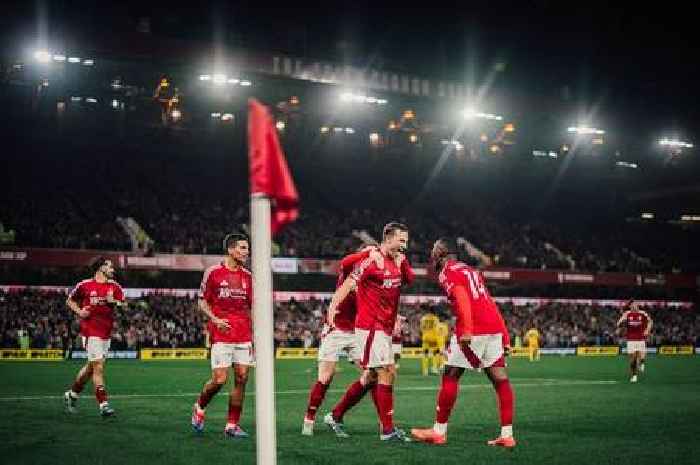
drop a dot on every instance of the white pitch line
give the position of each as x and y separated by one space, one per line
306 391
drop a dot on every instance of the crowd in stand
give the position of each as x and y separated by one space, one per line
164 321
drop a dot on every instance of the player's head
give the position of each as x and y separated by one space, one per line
631 305
442 250
103 266
395 237
237 246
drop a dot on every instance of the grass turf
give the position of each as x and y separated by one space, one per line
571 410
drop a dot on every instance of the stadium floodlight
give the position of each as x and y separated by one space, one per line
324 129
234 81
337 130
675 143
374 138
216 115
73 60
585 130
349 97
115 104
349 131
91 100
76 99
471 113
42 56
204 77
59 57
626 164
175 114
246 83
17 66
88 62
227 117
413 138
553 154
45 82
280 125
648 216
690 218
219 79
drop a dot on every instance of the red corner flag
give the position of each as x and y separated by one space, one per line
269 174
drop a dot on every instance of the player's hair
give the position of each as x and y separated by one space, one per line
98 263
231 239
392 228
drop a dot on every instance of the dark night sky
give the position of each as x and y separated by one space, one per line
633 58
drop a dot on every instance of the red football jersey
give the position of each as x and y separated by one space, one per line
486 318
230 297
636 323
347 309
378 292
92 294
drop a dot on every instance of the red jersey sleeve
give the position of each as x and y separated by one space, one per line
205 288
118 293
76 294
349 261
363 269
407 273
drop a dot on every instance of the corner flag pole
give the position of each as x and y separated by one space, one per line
261 243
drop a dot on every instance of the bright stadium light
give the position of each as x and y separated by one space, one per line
413 138
234 81
374 138
88 62
175 114
675 143
73 60
324 129
648 216
204 77
349 131
280 125
227 117
115 104
59 57
690 218
626 164
585 130
246 83
91 100
216 115
42 56
219 79
471 113
76 99
349 97
337 130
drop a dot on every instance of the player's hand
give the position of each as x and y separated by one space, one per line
377 257
223 325
506 351
83 312
464 341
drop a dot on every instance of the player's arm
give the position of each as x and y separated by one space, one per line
115 297
73 304
650 323
340 294
205 308
349 261
504 332
463 308
622 318
407 273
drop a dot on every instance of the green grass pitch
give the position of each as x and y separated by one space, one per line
569 410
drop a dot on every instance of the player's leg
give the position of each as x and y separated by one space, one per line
457 362
354 394
221 361
506 403
531 352
70 397
235 401
425 360
642 356
98 380
537 353
326 371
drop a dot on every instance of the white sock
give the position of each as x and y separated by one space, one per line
507 431
73 394
103 404
440 428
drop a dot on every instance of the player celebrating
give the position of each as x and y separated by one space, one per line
638 324
378 290
226 297
480 340
532 336
338 336
94 300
